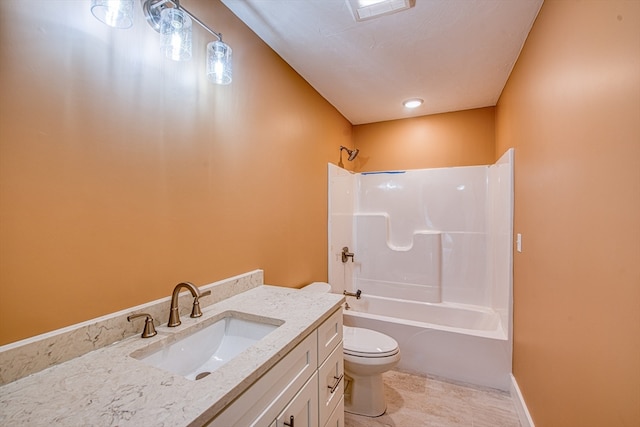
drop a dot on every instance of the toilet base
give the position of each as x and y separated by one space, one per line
365 395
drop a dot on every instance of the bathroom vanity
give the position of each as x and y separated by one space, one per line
293 375
304 389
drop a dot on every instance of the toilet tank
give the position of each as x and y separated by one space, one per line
317 287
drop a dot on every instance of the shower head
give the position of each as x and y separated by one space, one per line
352 153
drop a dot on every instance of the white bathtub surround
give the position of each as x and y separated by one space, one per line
34 354
108 387
453 317
473 357
433 258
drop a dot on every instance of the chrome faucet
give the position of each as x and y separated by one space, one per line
174 314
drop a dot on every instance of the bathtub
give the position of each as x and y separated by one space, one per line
455 341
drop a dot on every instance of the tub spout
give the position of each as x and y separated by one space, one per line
352 294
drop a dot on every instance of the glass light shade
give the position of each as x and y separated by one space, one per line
175 34
219 67
114 13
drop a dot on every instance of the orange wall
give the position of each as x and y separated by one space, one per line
122 174
572 110
461 138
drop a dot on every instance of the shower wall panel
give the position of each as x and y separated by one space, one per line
449 203
410 271
500 243
342 186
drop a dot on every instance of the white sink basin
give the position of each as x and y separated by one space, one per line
195 354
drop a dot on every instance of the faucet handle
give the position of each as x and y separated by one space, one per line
195 311
346 254
149 329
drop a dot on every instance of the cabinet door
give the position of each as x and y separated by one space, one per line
337 418
330 383
263 401
302 411
329 335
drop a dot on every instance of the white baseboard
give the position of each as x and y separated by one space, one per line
521 406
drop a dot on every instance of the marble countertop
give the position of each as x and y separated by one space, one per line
107 387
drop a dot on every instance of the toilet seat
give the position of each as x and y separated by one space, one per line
362 342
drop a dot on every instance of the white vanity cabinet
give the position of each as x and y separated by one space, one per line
331 385
302 411
330 368
306 384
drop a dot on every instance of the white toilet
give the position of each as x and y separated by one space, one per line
367 355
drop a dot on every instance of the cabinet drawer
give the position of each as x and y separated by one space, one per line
329 335
337 418
302 411
330 383
262 402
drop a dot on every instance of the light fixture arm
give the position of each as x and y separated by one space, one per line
202 24
153 8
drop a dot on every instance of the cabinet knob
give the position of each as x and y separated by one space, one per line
290 423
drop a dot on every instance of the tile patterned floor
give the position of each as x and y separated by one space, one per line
418 401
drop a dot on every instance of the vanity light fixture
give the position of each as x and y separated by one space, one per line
413 103
114 13
174 23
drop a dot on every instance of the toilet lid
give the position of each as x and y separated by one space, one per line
368 343
318 287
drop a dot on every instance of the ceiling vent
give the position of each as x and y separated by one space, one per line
364 10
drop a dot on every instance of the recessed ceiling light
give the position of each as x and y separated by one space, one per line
413 103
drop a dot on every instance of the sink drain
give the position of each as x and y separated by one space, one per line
201 375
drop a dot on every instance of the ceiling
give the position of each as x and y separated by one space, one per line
454 54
